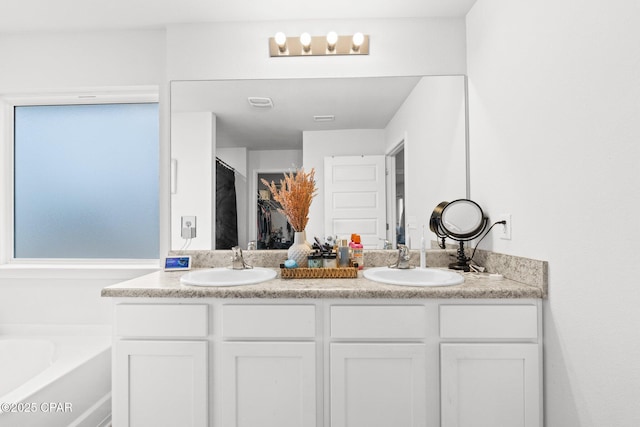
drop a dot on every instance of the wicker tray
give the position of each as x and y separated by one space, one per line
319 273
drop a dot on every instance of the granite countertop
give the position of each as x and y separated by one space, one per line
162 284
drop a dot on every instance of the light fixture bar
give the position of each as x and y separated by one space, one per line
281 45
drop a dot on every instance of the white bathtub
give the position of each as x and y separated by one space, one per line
55 381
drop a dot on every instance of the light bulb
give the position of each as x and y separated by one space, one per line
305 41
281 40
332 39
358 39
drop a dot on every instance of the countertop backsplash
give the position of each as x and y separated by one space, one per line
529 271
523 270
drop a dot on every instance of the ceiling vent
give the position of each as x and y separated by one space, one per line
260 102
327 118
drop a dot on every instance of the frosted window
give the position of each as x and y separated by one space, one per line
86 181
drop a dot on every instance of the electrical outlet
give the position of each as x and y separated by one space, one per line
188 227
504 229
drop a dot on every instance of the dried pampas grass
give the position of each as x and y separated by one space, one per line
295 195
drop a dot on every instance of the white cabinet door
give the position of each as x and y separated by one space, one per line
378 385
490 385
269 384
160 383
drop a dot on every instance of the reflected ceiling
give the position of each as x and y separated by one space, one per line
356 103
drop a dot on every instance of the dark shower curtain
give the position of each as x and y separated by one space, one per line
226 209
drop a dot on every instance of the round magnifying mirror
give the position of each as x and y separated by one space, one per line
434 221
462 219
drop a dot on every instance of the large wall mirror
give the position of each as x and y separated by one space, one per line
385 151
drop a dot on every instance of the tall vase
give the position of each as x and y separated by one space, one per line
300 249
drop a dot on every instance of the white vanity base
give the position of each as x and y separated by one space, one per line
327 362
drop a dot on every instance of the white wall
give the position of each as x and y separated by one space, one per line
236 157
240 50
281 160
193 141
554 90
59 297
316 145
432 124
59 61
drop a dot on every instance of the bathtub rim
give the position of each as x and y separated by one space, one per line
73 347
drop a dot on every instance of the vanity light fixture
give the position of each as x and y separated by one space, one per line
307 45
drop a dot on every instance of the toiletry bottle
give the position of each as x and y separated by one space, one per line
329 260
315 260
344 253
357 253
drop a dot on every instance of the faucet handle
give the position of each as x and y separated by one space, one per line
237 261
403 252
404 256
386 243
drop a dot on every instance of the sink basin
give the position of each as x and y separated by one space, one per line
413 276
224 276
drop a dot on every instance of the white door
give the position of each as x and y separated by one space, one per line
269 384
378 385
160 383
490 385
354 198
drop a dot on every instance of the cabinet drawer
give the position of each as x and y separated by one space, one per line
489 321
269 321
352 321
161 320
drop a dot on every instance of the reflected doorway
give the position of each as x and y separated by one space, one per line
396 203
273 229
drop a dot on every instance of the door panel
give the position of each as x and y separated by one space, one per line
355 199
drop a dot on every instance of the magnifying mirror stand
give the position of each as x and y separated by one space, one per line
463 262
461 220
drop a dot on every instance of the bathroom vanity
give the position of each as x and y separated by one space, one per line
326 352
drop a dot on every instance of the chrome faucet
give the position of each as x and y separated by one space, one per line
386 244
237 261
404 256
